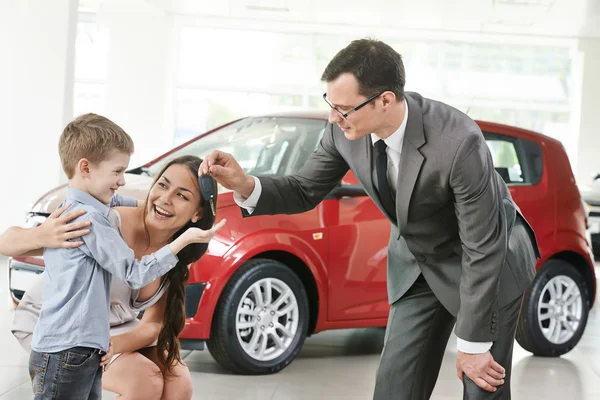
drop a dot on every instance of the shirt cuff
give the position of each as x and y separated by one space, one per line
129 201
249 203
473 347
165 257
123 201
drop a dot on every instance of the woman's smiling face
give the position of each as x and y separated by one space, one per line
174 199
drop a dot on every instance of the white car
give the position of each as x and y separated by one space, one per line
591 195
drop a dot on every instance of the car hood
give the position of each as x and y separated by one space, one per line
137 186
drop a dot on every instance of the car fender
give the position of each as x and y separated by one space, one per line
252 246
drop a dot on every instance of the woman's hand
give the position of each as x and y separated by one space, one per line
195 235
56 232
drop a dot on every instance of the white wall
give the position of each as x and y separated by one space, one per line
36 76
138 93
588 154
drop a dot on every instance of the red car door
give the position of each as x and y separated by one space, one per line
358 238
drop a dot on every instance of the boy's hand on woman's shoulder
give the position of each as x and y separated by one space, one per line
56 231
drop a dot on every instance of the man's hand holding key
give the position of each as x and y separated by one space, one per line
226 170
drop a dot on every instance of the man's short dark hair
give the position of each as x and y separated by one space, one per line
376 66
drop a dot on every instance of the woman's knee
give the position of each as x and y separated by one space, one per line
178 385
134 377
150 386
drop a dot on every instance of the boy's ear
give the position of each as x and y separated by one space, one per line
197 216
83 167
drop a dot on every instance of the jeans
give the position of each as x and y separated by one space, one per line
70 374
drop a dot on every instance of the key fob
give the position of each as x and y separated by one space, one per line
207 190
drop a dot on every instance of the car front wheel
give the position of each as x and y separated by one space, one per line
261 320
554 310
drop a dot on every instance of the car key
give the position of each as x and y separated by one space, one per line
207 190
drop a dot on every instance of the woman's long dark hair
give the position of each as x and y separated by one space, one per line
168 347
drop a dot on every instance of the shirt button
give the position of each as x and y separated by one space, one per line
421 258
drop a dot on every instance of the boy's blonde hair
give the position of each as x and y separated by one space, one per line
92 137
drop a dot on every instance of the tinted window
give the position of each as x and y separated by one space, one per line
518 161
262 146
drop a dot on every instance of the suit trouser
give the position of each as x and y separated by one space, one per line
415 340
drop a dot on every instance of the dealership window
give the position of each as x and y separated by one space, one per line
226 72
91 59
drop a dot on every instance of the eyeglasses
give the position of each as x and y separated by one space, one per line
358 107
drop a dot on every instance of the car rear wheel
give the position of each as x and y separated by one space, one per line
554 311
261 320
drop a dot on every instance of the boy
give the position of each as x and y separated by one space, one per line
72 332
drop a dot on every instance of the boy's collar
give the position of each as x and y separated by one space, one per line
86 198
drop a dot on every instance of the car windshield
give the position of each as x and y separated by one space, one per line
266 146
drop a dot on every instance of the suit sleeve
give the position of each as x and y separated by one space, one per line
482 229
308 187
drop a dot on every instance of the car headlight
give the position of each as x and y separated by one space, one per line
34 220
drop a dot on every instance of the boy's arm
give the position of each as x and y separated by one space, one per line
110 251
123 201
55 232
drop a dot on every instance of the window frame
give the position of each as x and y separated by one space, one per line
528 170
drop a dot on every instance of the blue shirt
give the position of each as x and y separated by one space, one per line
76 299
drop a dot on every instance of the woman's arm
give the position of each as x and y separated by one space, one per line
17 241
55 232
145 333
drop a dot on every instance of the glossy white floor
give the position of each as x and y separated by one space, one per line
342 365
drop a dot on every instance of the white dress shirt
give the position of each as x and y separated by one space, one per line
393 151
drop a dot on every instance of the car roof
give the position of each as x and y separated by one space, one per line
492 127
320 114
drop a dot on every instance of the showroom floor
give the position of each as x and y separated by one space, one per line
342 364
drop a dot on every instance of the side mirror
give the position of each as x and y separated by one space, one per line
346 191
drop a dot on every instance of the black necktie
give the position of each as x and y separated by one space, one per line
385 193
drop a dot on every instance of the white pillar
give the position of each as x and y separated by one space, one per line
37 41
138 87
588 154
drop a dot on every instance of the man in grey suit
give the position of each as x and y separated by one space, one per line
460 252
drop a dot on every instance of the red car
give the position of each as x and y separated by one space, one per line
267 282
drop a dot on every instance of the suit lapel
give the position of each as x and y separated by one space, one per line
411 161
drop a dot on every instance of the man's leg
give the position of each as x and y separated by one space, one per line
502 351
416 336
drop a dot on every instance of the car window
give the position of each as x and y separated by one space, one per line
518 161
262 146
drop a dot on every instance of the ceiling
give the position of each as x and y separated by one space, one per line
557 18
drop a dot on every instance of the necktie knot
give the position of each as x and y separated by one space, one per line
380 146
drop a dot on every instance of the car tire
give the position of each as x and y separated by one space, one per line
248 320
542 327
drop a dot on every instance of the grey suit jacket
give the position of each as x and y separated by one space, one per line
457 223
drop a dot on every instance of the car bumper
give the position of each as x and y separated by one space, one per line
21 275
